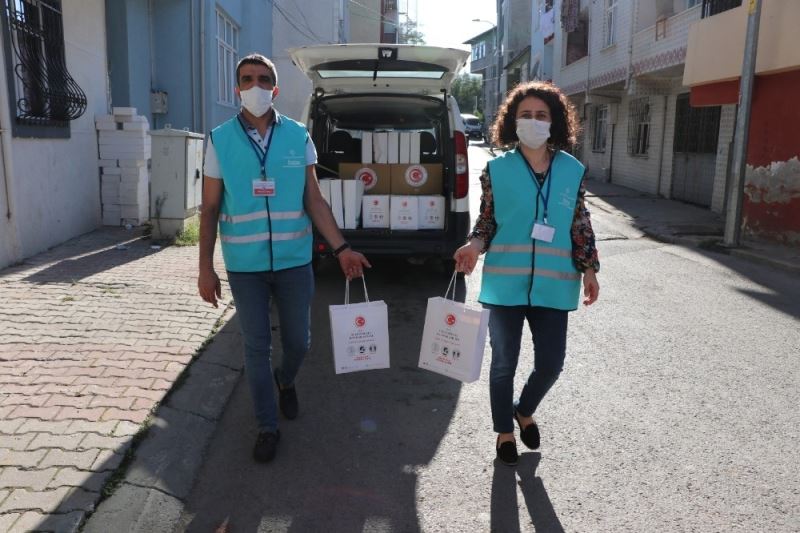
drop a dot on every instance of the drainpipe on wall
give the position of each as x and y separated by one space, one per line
203 66
630 46
588 49
151 41
663 144
5 153
191 64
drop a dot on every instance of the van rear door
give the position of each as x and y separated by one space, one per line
375 67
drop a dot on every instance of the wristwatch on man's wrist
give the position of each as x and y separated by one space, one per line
341 249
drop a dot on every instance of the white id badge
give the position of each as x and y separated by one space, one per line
264 187
543 232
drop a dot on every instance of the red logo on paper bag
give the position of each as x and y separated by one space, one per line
416 175
405 203
375 202
450 319
368 176
360 321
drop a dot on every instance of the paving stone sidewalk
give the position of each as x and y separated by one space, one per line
93 334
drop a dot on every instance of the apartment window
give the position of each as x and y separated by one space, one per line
576 26
43 97
639 126
227 57
479 51
599 128
610 23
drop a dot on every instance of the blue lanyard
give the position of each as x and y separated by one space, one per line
261 154
544 196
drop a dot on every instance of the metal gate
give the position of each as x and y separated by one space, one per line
694 152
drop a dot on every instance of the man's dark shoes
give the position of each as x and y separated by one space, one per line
529 435
507 453
287 399
266 446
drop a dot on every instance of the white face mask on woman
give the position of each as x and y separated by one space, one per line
533 133
256 100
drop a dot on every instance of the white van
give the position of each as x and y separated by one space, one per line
383 114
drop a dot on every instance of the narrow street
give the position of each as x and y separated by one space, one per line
676 411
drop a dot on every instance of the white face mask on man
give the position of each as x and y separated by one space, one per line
533 133
256 100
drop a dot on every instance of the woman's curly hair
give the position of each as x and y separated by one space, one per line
564 128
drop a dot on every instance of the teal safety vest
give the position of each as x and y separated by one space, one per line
520 270
263 233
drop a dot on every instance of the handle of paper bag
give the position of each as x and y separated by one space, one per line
347 290
453 285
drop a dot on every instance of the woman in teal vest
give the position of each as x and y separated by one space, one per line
538 239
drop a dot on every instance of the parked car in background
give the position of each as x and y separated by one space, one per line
473 127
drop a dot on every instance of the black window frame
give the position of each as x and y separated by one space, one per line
43 97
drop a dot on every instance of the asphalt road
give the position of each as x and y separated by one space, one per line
677 411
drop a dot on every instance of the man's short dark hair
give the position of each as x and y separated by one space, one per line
257 59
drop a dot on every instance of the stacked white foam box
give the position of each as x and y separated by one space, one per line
124 143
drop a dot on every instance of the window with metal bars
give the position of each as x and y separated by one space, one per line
639 126
696 128
599 127
43 96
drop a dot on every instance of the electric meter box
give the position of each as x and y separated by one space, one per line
176 180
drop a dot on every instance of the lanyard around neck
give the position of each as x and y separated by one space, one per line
547 182
261 153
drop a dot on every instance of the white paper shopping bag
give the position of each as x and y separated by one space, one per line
453 338
359 334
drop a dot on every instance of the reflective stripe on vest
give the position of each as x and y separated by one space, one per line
528 248
523 271
256 215
256 237
517 269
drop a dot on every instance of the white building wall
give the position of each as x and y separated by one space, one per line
54 183
639 172
318 23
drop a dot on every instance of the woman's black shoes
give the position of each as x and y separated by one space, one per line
528 435
507 453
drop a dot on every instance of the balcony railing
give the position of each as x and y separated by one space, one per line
713 7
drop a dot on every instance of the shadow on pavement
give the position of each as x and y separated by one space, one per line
700 229
84 257
505 508
349 462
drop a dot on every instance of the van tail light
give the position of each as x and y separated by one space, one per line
462 166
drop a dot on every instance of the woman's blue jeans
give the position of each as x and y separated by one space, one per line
293 290
549 330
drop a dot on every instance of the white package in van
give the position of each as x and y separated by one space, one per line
375 211
414 148
366 147
380 146
431 211
404 212
394 147
352 192
325 189
336 202
405 147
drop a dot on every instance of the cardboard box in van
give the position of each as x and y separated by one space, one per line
417 179
376 178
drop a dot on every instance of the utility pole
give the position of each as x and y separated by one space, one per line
733 216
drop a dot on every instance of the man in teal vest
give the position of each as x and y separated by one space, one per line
261 188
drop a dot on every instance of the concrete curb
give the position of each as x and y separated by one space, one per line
158 481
